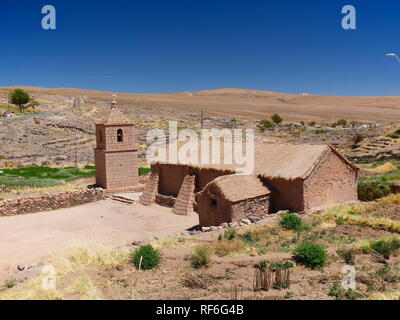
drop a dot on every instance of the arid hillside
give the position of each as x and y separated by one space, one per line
60 131
251 104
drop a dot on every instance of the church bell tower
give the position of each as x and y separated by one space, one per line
115 153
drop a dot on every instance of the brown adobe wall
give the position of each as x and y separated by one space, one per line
285 194
226 211
185 199
100 164
47 202
151 190
332 181
116 169
111 142
171 177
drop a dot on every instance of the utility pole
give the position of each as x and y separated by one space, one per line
76 151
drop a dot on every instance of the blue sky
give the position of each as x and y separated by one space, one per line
171 46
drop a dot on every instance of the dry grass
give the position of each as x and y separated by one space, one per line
85 289
174 242
225 248
17 191
86 255
384 168
379 223
75 259
363 212
198 281
392 295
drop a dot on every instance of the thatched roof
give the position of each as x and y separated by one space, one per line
288 161
277 160
237 187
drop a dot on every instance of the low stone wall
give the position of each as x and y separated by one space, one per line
257 207
47 202
165 201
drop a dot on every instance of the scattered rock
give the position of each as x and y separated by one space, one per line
254 219
21 267
224 225
136 243
233 224
282 211
205 229
246 221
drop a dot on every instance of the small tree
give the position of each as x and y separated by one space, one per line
19 97
276 118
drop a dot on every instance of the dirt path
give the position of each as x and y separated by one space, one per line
28 239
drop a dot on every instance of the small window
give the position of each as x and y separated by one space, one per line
214 203
120 135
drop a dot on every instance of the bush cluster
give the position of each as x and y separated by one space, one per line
146 257
311 255
385 248
292 221
369 190
201 257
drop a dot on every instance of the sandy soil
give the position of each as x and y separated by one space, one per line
28 239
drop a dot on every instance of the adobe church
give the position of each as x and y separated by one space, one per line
115 154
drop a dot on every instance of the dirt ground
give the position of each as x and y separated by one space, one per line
28 239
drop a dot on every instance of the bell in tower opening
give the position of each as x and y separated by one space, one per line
115 154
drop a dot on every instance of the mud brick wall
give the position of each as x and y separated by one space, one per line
151 190
184 202
47 202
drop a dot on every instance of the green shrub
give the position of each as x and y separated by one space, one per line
276 118
395 134
311 255
229 234
352 295
340 220
249 237
292 221
201 257
320 131
385 248
336 291
262 265
357 139
312 123
369 190
266 124
146 257
341 122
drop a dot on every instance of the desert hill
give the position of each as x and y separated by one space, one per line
250 104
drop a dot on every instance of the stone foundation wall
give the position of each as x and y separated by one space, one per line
258 207
165 201
47 202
